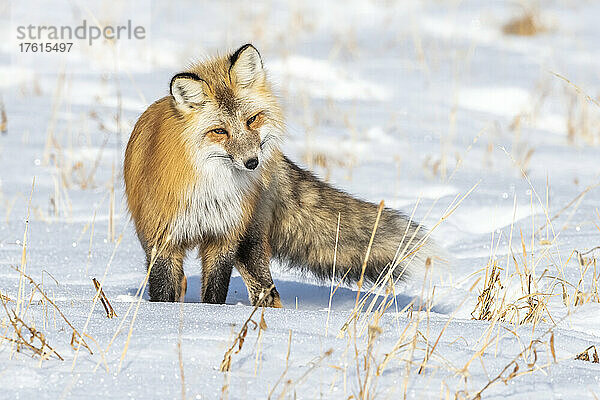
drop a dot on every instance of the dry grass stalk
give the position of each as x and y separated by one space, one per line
75 342
585 355
400 344
327 162
372 371
225 387
291 384
28 337
586 264
262 327
56 102
527 24
367 381
367 386
331 291
3 119
576 201
357 310
153 257
535 301
95 300
110 312
577 88
46 298
138 294
88 181
429 351
489 295
111 207
241 336
531 366
287 366
179 333
383 287
581 123
21 290
368 371
368 253
459 158
552 348
492 303
88 259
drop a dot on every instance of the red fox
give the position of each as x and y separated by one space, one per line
203 169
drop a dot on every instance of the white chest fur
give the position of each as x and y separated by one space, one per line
213 204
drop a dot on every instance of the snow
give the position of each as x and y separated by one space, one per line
415 103
322 81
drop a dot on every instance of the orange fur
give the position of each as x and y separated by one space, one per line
155 179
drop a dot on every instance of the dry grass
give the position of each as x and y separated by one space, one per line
529 307
415 350
17 315
3 119
496 302
27 337
71 167
291 385
5 298
364 362
573 205
326 162
155 253
585 355
110 312
179 340
513 370
581 112
287 366
486 307
365 317
528 23
75 333
241 336
582 122
587 263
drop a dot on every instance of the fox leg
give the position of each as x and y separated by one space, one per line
217 264
253 257
167 280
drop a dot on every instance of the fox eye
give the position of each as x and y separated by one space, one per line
251 119
220 131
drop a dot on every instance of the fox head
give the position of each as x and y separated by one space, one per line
227 101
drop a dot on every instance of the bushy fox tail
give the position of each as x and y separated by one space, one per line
305 223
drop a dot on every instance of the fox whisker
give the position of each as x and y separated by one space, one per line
267 139
220 156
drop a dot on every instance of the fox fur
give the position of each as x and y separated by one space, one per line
203 169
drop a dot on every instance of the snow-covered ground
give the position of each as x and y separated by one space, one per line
421 104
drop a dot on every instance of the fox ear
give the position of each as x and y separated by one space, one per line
246 66
187 87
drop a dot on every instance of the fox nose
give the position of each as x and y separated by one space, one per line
251 163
